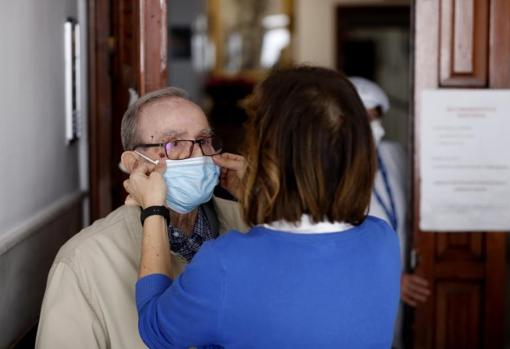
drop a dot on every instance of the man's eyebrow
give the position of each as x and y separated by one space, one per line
172 133
180 133
206 132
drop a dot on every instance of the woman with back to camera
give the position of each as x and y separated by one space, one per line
314 271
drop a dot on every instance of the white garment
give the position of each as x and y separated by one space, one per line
394 159
371 94
378 131
306 226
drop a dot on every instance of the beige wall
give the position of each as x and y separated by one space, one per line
315 28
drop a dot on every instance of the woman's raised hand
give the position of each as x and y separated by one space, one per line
146 186
233 168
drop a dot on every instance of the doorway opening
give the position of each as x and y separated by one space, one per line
373 42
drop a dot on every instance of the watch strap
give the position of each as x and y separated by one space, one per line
155 210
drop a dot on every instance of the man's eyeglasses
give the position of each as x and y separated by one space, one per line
181 149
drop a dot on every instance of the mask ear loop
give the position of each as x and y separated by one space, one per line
154 162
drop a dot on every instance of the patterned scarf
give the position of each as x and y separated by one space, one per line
187 246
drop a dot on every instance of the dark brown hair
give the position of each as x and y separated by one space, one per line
309 149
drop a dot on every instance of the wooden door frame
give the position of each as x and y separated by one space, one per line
153 45
493 270
105 81
100 107
384 16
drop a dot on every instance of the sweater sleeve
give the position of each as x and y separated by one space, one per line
184 312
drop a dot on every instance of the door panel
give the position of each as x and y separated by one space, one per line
129 43
153 45
460 246
463 42
100 107
459 44
458 315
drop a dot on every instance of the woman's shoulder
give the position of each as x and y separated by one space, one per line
377 222
234 243
379 228
231 237
382 241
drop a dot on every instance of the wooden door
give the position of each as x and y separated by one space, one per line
100 107
459 44
127 45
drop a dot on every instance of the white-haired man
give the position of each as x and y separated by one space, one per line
89 300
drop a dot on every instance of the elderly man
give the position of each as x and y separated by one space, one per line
89 299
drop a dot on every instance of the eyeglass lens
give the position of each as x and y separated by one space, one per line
182 149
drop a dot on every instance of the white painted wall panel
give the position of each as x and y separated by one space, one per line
36 166
41 178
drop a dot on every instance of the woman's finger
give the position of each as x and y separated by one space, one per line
419 293
229 161
418 287
143 168
417 298
413 295
409 301
418 280
160 167
233 156
130 201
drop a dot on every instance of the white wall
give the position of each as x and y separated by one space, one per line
41 178
181 72
315 28
37 168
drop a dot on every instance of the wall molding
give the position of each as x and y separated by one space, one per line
32 225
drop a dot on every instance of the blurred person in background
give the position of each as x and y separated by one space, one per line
390 198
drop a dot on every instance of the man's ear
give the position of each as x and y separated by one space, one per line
129 160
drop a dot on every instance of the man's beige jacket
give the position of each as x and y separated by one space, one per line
90 294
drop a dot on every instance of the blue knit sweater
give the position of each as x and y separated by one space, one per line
272 289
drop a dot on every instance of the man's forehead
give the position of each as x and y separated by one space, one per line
175 117
156 133
170 105
182 133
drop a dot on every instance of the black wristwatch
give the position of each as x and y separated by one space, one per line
155 210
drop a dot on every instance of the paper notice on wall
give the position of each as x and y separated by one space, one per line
464 151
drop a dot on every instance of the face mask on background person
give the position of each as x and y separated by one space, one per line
190 182
377 131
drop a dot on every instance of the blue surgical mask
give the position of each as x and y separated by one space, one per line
190 182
